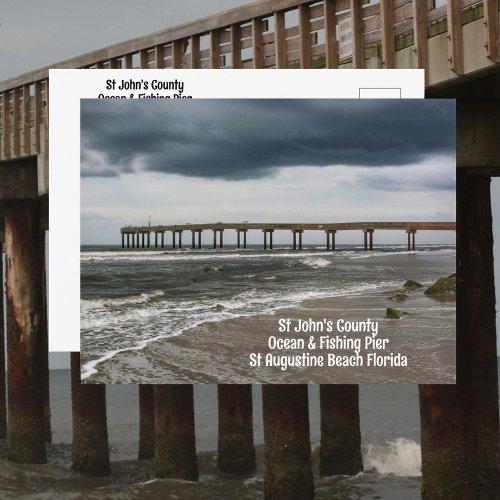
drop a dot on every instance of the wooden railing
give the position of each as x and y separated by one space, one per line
459 38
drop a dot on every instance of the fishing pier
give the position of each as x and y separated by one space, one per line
131 235
458 46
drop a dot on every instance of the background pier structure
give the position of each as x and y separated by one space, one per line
458 46
297 230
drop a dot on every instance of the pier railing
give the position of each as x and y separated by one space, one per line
449 41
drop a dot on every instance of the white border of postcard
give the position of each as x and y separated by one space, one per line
68 86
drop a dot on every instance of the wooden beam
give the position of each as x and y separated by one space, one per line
258 50
214 49
387 28
280 39
236 45
38 115
330 34
357 34
159 57
144 61
6 124
177 53
129 61
26 121
16 119
195 52
455 36
305 36
420 36
491 26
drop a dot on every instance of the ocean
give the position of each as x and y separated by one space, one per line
390 437
133 300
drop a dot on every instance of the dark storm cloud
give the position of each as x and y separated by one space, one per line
244 139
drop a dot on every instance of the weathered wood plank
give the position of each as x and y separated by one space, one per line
177 53
280 39
195 52
420 34
357 35
491 27
258 56
38 114
455 36
16 118
305 36
236 45
387 25
26 117
330 34
214 49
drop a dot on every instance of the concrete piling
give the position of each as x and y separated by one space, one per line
44 347
175 446
26 325
340 451
235 453
90 450
193 242
146 422
460 423
173 240
287 449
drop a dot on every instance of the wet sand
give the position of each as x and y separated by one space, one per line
220 352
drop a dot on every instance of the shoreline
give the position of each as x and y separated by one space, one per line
208 353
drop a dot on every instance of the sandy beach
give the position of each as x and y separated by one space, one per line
219 352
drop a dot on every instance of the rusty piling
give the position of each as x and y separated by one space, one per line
90 433
459 423
175 446
340 451
236 453
146 422
3 389
287 449
26 321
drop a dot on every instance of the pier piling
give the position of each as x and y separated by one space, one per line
3 391
90 450
287 449
460 423
340 451
44 346
26 325
235 453
175 446
146 422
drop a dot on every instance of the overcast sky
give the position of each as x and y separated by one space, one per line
266 161
34 34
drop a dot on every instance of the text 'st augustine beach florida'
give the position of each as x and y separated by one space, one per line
268 241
